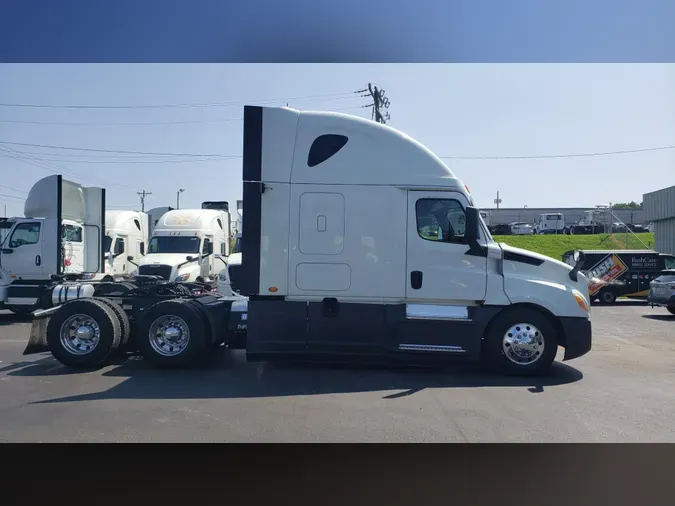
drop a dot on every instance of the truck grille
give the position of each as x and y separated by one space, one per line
164 271
235 276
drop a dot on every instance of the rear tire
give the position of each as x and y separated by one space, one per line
83 333
671 309
520 342
173 334
125 325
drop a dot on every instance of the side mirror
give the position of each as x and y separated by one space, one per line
209 249
110 256
189 258
579 258
471 233
130 258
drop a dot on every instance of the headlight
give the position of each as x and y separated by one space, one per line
181 278
89 275
222 277
581 300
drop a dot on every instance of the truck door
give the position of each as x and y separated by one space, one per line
206 262
22 251
120 255
440 270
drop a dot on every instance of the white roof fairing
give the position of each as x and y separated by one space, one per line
190 219
374 154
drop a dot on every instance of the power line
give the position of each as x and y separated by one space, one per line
20 199
37 162
569 155
236 156
11 188
115 150
174 106
141 161
142 123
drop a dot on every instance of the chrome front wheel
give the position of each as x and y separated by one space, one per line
523 344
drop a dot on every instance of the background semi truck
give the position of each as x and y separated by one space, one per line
61 234
189 244
126 237
321 278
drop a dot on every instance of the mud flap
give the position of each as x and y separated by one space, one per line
37 342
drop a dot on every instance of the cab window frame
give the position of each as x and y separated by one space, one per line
456 238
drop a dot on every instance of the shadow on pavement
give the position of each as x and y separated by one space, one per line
230 376
13 319
661 317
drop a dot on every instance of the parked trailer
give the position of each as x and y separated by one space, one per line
339 261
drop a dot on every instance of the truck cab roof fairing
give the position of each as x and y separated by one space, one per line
278 140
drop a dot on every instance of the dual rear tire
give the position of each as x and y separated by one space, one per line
87 333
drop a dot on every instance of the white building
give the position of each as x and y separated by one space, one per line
659 207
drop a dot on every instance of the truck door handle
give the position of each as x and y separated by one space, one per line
416 280
38 260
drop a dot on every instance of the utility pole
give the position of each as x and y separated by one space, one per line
143 194
498 200
178 197
379 105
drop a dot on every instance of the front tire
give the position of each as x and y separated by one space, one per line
173 334
607 297
83 334
520 342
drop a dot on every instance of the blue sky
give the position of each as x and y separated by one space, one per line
455 109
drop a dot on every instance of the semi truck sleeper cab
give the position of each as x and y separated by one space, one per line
359 241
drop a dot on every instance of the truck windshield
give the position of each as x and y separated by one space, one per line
174 244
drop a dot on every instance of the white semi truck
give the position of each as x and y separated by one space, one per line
593 221
189 244
550 223
126 236
60 235
337 262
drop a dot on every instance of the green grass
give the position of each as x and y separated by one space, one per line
555 245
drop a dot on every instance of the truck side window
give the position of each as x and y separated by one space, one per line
670 263
71 233
25 233
223 249
142 248
441 220
119 246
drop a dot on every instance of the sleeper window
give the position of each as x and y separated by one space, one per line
441 220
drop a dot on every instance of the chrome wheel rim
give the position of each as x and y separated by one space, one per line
169 335
523 344
80 334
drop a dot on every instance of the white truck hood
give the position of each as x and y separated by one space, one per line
546 283
172 259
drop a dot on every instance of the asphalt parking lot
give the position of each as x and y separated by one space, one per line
622 391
